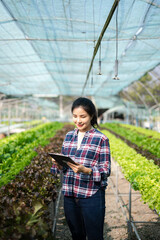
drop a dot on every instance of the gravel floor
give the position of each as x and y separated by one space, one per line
116 226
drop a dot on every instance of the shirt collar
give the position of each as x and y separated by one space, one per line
88 132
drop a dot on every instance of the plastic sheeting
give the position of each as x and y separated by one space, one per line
46 46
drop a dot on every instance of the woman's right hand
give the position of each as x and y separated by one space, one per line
58 165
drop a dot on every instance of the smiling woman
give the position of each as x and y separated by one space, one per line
81 119
84 184
84 114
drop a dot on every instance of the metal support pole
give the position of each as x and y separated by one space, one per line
130 212
16 111
9 118
56 212
61 106
56 207
24 111
112 115
1 104
117 185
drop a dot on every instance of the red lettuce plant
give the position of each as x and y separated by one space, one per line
24 211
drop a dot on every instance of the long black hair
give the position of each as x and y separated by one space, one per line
88 106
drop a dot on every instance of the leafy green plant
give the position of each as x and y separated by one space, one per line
18 151
142 173
147 132
144 141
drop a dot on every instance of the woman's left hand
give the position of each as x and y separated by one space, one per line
79 168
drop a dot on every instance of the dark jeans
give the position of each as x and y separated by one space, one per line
85 216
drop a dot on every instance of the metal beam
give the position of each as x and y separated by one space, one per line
149 92
72 40
145 104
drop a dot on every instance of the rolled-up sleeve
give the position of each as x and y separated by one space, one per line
102 170
54 170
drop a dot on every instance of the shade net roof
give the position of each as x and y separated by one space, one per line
46 46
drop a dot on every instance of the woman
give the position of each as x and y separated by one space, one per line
84 184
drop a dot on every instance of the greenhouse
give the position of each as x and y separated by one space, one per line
52 53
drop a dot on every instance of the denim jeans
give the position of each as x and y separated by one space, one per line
85 216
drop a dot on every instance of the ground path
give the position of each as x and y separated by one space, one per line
115 221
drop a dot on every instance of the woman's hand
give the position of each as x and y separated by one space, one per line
58 166
79 168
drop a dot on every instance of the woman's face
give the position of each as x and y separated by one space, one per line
81 119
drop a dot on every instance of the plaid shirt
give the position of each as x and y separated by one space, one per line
94 153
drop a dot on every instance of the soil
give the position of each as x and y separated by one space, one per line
116 219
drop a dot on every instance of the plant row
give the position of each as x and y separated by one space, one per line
18 138
147 132
17 151
143 141
25 202
142 173
30 123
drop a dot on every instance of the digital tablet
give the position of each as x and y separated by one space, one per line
62 159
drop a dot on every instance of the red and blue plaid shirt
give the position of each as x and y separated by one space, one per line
94 153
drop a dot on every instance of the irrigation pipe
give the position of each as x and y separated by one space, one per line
115 4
